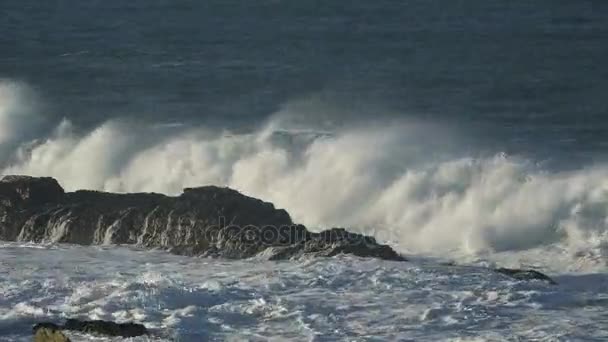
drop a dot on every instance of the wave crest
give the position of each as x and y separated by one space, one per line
386 180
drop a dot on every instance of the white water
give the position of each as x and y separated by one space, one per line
409 183
412 184
344 298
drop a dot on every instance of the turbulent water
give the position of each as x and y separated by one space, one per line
193 299
472 132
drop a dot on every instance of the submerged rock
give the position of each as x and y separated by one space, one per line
205 221
49 332
520 274
106 328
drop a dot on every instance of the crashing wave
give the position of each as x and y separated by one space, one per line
410 184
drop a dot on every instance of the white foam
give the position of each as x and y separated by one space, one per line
342 298
403 182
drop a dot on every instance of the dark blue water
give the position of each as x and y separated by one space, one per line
531 76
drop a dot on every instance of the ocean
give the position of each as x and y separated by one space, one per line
470 133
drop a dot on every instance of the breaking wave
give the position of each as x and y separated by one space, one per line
404 182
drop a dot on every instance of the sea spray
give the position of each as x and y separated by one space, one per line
421 195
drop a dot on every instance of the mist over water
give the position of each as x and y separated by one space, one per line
418 186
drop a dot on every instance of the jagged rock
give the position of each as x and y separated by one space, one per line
205 221
106 328
49 332
520 274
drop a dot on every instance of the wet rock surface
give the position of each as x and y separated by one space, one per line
204 221
523 274
106 328
51 332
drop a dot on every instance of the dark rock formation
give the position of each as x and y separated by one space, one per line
31 190
333 242
49 332
520 274
206 221
106 328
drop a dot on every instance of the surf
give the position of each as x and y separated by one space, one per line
409 183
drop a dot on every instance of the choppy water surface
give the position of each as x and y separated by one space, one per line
193 299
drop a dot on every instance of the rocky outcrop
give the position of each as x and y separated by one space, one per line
206 221
520 274
51 332
31 190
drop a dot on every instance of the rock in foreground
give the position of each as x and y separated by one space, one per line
106 328
206 221
50 332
